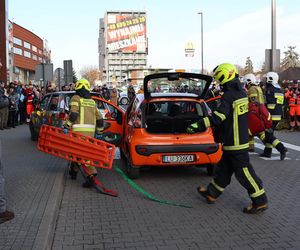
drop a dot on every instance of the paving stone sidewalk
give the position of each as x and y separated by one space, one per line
89 220
34 185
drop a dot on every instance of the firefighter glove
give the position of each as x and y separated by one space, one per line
196 127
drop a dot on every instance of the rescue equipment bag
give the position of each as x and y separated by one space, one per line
259 118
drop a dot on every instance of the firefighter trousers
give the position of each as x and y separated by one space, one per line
270 141
239 165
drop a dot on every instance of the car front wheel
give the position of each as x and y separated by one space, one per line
33 134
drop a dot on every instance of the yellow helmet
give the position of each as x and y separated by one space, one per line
83 83
225 72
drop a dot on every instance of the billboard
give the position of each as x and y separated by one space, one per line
126 32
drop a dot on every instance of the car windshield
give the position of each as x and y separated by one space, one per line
176 85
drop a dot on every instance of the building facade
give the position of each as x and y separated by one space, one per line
3 41
123 45
26 50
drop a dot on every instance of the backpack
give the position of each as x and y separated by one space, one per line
259 118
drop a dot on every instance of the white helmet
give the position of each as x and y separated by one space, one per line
272 77
250 79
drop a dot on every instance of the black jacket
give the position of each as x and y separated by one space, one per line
231 117
274 101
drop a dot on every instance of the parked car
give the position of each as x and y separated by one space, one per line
153 128
53 110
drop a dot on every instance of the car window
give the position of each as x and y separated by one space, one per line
44 102
54 102
172 108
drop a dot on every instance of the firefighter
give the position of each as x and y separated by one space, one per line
231 117
293 98
86 119
255 94
274 102
274 98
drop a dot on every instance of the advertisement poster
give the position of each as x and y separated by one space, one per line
126 32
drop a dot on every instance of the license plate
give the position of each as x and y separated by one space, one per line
178 158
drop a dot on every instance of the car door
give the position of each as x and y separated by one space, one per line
39 116
113 116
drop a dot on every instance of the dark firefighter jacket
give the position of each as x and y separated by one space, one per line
231 117
274 101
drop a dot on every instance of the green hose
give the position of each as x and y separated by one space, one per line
146 194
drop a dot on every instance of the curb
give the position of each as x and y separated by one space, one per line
44 237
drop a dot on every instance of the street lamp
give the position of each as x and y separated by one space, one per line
201 13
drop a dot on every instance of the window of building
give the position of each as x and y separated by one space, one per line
17 51
34 57
34 48
27 54
27 45
40 52
40 59
17 41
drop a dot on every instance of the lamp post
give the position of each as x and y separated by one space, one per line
201 13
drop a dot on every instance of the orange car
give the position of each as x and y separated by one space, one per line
153 128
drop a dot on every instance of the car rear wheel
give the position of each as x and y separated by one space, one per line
132 172
33 134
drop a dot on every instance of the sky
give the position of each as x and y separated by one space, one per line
232 30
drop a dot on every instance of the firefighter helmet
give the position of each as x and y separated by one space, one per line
225 72
250 79
83 83
272 77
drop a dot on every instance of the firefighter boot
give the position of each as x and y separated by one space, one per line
255 209
282 150
89 181
267 152
209 198
72 171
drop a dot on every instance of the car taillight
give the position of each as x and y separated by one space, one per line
62 116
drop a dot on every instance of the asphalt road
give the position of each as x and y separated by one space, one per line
89 220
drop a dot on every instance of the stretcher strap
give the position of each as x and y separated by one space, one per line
96 183
146 194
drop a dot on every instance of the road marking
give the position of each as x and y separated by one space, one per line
291 146
274 158
288 145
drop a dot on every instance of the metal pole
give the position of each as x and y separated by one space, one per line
201 13
273 38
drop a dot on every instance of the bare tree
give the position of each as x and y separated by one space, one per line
249 66
91 73
291 58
